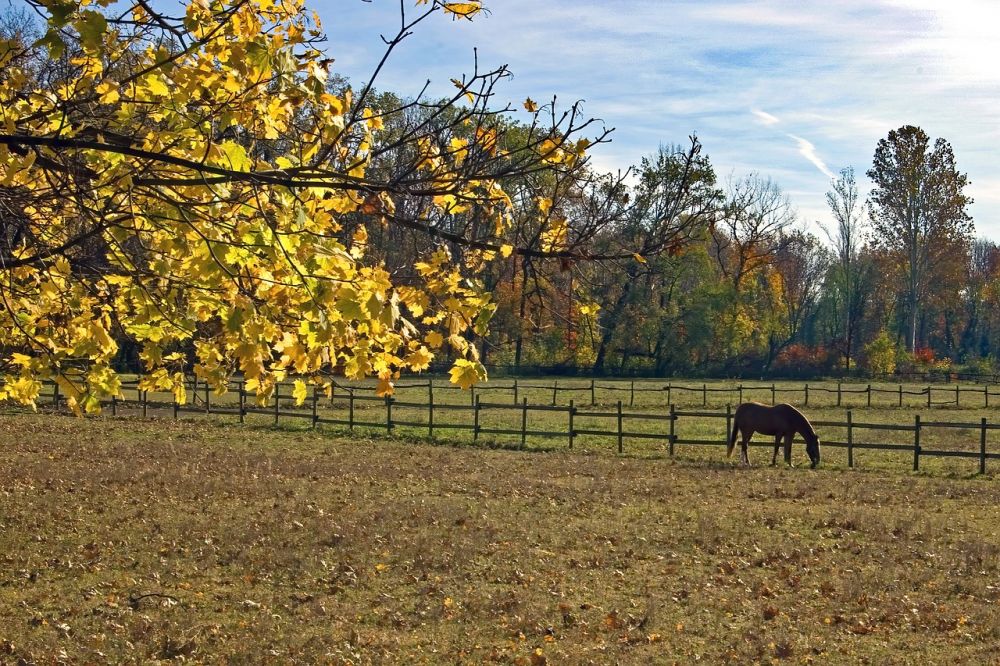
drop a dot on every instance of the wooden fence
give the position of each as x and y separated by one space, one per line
378 413
932 396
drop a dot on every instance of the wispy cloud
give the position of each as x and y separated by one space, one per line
808 151
842 74
764 117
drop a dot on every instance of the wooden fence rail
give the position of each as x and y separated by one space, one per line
618 420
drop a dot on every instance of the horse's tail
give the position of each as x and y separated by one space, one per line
732 441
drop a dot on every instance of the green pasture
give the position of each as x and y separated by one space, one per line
951 424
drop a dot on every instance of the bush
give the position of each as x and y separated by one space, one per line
880 355
800 360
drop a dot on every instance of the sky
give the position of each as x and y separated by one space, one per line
791 89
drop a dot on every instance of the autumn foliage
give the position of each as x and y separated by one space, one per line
200 187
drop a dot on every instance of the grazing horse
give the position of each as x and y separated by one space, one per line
781 421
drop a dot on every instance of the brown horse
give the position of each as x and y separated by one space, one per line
781 421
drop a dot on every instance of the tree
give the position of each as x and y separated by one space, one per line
195 185
846 238
798 272
746 239
672 204
918 212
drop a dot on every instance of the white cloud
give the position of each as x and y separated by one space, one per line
764 117
843 74
808 151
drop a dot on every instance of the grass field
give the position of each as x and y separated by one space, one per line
827 403
131 540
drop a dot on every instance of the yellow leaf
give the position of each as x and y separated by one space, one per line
156 86
384 387
465 373
420 359
506 250
638 257
108 91
530 105
300 392
434 339
464 10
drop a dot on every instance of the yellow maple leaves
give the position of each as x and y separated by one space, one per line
212 262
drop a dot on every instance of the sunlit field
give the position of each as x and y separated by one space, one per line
950 420
129 539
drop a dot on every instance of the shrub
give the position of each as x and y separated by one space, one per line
880 355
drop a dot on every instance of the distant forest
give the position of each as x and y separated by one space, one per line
726 280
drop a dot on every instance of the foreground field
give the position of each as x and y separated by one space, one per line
140 540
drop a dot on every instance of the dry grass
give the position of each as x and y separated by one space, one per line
292 546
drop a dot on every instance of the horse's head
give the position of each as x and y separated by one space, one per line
812 447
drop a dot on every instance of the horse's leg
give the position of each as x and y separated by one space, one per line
744 458
788 448
777 443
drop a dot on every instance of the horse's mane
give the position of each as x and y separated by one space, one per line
804 422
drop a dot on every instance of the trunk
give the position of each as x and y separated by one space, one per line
612 323
522 307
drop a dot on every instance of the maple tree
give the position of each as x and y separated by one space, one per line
198 185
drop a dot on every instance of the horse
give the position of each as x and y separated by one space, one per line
781 421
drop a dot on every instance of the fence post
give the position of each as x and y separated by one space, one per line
524 422
475 421
956 395
472 396
986 396
176 407
430 409
916 442
515 391
669 390
900 395
773 397
55 396
838 394
631 395
673 419
277 401
850 440
208 405
243 402
350 409
194 390
982 446
620 442
388 415
704 395
555 389
114 405
869 396
145 399
572 411
807 395
593 394
315 416
928 397
741 393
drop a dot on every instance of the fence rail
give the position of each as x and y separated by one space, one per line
620 423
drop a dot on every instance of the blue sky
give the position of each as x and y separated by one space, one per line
795 90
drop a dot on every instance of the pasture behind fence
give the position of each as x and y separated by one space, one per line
353 407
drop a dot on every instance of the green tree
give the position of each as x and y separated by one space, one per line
918 212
